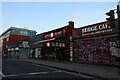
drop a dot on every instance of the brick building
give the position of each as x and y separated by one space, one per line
35 50
56 43
97 44
12 36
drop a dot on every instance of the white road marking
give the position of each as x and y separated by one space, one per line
69 72
2 74
85 76
31 73
77 74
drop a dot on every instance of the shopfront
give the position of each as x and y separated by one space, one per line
35 50
97 44
55 49
56 43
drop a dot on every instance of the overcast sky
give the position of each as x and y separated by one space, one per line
46 16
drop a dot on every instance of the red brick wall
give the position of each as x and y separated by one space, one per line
14 39
100 50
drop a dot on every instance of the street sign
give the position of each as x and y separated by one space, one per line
25 44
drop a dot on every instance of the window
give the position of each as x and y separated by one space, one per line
1 41
31 33
24 32
7 39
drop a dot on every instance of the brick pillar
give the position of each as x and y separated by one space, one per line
69 32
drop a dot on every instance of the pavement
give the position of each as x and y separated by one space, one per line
99 71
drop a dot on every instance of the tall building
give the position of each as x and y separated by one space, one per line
12 36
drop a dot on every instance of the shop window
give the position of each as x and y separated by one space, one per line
56 45
7 39
60 44
6 46
24 32
63 45
1 41
53 44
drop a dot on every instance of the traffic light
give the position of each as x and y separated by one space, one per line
111 19
118 14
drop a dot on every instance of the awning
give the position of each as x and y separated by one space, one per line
45 41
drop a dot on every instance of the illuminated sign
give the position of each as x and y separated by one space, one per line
55 34
52 34
48 44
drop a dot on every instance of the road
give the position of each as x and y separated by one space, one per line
17 69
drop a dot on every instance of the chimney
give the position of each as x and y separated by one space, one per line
71 24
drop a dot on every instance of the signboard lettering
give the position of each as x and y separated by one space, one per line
97 29
55 34
94 28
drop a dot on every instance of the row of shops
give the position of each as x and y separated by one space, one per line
54 45
97 44
94 44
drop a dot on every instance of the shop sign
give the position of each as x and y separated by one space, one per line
71 51
25 44
97 29
55 34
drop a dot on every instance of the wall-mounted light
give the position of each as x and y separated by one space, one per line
48 44
16 48
8 49
12 49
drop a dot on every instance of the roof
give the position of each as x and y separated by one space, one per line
15 28
94 24
91 25
55 30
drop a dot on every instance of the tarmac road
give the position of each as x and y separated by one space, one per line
21 70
